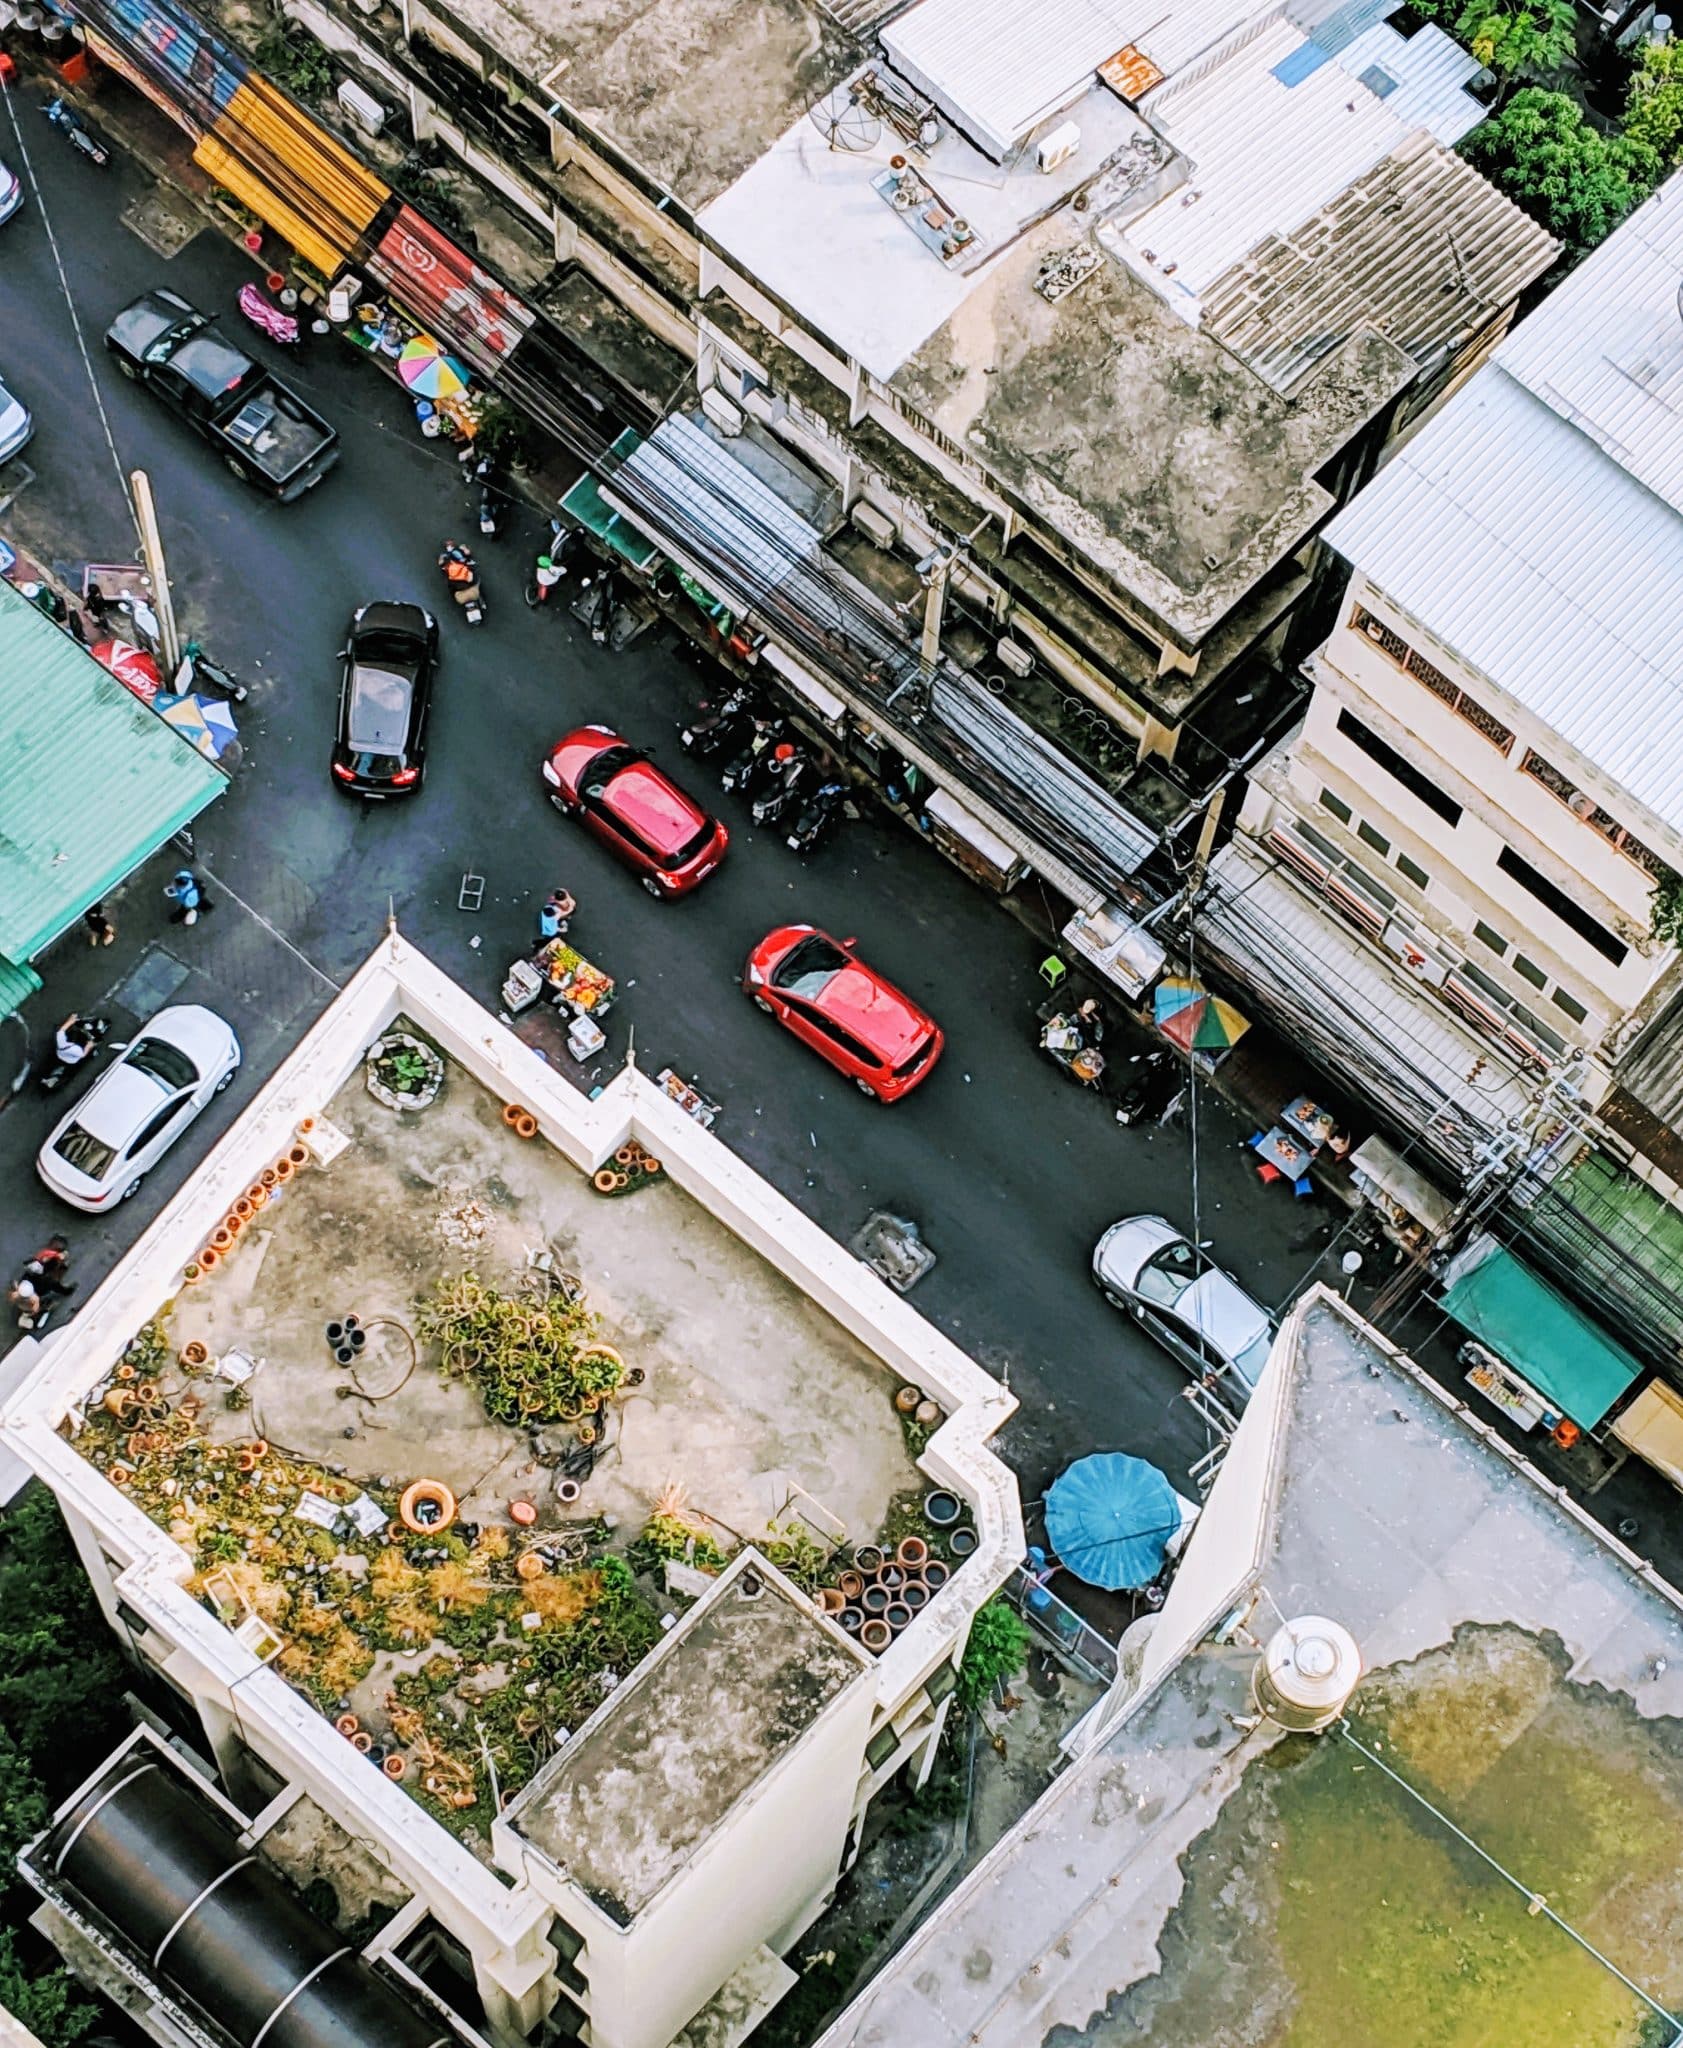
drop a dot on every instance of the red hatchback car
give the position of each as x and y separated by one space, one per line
635 810
861 1024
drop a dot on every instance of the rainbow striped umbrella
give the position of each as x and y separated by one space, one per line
1188 1015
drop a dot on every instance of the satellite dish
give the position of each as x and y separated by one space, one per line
844 122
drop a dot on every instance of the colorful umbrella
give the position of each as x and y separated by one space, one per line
131 665
1111 1518
184 715
219 722
428 371
1188 1015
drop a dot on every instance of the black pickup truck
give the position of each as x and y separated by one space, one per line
262 431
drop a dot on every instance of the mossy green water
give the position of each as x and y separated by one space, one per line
1327 1908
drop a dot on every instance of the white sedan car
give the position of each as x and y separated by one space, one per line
16 424
11 193
1146 1267
103 1148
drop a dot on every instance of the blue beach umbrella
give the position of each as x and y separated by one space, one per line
1110 1519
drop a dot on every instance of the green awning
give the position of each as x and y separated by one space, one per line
587 505
92 780
16 983
1569 1359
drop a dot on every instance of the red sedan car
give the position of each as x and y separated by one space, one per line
635 810
815 987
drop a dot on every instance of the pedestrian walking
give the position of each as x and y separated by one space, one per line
26 1300
48 1271
186 892
101 931
95 600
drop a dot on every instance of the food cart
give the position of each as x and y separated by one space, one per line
559 974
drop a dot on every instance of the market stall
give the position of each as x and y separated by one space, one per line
1411 1211
559 974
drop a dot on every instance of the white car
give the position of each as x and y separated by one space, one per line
1145 1266
11 193
103 1149
16 425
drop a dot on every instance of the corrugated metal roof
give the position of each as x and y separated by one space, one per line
91 779
1431 73
1421 247
1605 351
1546 567
16 985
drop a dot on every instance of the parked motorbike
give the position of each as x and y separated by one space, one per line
268 318
77 132
212 678
720 726
89 1032
1151 1090
461 572
789 777
818 817
603 607
746 768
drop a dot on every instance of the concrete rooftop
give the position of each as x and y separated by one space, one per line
1193 1880
691 90
737 1683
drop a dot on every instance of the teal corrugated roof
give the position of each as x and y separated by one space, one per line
15 984
1565 1356
91 779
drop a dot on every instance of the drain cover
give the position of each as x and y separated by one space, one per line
151 984
892 1248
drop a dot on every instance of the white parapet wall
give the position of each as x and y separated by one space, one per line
132 1560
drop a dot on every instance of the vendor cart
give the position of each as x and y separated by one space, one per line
560 974
1062 1037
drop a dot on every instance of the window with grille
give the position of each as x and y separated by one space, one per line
1434 679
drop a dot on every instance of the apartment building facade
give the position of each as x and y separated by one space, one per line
1053 335
1477 824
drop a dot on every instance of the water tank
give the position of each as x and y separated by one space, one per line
1306 1674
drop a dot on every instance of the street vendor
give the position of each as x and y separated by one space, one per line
552 918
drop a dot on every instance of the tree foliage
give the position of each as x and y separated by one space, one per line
1574 181
47 2001
1653 117
1517 38
998 1647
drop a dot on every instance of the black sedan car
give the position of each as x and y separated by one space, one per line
384 699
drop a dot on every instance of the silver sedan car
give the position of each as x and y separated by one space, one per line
1145 1267
16 424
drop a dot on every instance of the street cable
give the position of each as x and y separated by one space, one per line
70 303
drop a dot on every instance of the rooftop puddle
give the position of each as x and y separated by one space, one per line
1329 1908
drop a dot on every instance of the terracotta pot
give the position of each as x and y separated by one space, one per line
284 1170
852 1619
605 1180
512 1113
874 1599
267 1178
651 1165
245 1208
347 1724
191 1274
875 1635
297 1155
220 1239
915 1594
963 1541
911 1552
531 1566
941 1508
259 1198
927 1414
830 1600
898 1616
428 1507
567 1491
935 1574
120 1401
868 1558
851 1585
526 1125
209 1259
395 1765
628 1155
523 1512
194 1354
362 1741
304 1126
892 1576
907 1399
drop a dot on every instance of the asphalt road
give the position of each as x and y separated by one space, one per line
1010 1170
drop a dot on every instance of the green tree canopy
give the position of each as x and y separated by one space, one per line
1517 38
1575 181
1654 104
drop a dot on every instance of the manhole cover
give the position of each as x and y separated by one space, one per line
894 1251
163 223
151 984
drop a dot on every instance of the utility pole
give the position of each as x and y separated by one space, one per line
152 554
936 571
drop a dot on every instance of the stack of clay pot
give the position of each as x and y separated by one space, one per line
885 1592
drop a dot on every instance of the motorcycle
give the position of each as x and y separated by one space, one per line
818 816
718 726
77 132
268 318
91 1033
745 769
461 572
604 610
1152 1092
789 776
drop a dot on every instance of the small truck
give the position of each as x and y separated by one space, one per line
262 431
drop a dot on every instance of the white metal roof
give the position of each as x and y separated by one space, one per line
1545 566
1431 73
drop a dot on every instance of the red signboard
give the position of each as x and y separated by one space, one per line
442 286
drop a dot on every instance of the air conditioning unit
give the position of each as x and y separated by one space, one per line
876 526
722 411
364 109
1420 960
1058 147
1014 656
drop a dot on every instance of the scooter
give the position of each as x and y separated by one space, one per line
1152 1090
77 132
745 770
92 1031
718 726
461 572
818 816
789 778
603 608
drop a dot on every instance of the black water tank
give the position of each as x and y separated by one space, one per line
212 1924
